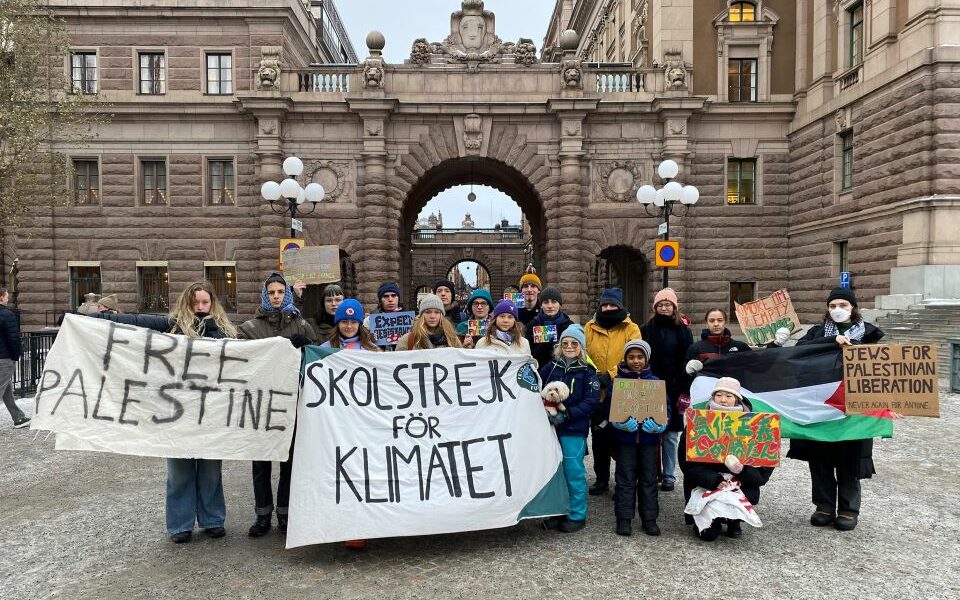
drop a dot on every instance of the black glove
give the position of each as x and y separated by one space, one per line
299 341
605 380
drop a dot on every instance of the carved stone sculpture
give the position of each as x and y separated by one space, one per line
373 74
675 69
572 74
473 133
268 74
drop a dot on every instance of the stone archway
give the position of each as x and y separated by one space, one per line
624 267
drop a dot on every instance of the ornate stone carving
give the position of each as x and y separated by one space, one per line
676 127
675 69
572 73
842 118
373 73
268 74
472 39
373 127
473 134
268 126
334 176
618 180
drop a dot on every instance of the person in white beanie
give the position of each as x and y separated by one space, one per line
430 329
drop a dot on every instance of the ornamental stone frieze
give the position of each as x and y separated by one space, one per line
336 177
618 180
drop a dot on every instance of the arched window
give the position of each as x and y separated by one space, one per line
743 12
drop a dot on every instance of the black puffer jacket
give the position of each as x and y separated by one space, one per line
207 327
669 344
10 347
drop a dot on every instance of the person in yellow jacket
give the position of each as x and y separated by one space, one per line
607 333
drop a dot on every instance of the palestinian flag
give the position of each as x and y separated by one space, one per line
802 383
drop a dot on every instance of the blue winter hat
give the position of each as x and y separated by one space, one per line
576 332
612 296
506 307
387 288
349 310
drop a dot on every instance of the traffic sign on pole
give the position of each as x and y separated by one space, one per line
845 279
667 254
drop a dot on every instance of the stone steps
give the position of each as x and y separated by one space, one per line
925 325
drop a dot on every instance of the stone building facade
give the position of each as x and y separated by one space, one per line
808 164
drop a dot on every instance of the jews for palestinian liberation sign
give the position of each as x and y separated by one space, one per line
898 377
761 318
638 398
422 442
110 387
754 438
388 328
312 264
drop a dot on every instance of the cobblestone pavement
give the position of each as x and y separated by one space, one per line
87 525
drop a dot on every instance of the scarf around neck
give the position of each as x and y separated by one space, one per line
612 318
738 407
855 332
505 337
286 307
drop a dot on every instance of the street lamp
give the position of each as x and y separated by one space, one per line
666 198
289 189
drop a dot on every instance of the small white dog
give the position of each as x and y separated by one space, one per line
554 394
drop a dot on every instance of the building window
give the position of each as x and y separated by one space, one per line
741 181
219 74
220 181
742 80
86 182
153 75
855 13
846 160
224 282
83 281
840 257
743 12
741 292
83 72
153 290
154 179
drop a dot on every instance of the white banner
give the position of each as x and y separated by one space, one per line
110 387
423 442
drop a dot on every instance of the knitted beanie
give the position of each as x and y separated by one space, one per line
430 301
637 344
612 296
349 310
666 294
530 276
551 293
479 294
576 332
727 384
840 293
506 307
444 283
387 288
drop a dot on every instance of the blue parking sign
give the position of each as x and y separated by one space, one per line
845 279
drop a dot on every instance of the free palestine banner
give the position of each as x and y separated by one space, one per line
424 442
117 388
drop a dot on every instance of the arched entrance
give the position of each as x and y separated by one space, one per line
467 276
626 268
427 255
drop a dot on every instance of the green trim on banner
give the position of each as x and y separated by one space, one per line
553 499
312 354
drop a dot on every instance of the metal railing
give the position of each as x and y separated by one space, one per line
450 235
36 346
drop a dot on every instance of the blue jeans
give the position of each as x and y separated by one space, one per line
574 448
668 453
194 494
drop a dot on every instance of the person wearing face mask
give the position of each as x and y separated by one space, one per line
430 328
505 332
607 333
323 322
669 339
478 309
194 485
551 313
836 468
277 316
445 289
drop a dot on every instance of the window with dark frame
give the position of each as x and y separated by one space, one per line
153 73
220 73
83 72
741 180
153 290
840 252
220 181
83 281
855 16
154 181
742 80
86 181
224 282
743 12
741 292
846 160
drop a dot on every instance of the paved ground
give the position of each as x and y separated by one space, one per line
79 525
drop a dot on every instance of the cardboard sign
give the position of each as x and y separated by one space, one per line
638 398
517 299
544 333
761 318
290 244
312 264
388 328
899 377
754 438
477 327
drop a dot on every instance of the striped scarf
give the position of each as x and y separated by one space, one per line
855 333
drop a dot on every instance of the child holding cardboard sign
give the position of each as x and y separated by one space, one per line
637 450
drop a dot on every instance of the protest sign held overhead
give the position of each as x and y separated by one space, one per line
898 377
117 388
754 438
414 443
761 318
638 398
388 328
312 264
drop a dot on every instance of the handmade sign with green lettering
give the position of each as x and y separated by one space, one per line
754 438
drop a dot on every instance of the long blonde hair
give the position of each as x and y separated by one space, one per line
419 333
185 322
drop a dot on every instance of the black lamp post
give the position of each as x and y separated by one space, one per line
666 199
289 189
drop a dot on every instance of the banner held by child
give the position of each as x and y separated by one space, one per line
754 438
638 398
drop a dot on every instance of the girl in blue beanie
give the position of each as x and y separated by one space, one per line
349 332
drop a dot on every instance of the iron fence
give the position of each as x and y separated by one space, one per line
36 346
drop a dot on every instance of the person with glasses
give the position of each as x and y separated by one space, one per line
478 310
